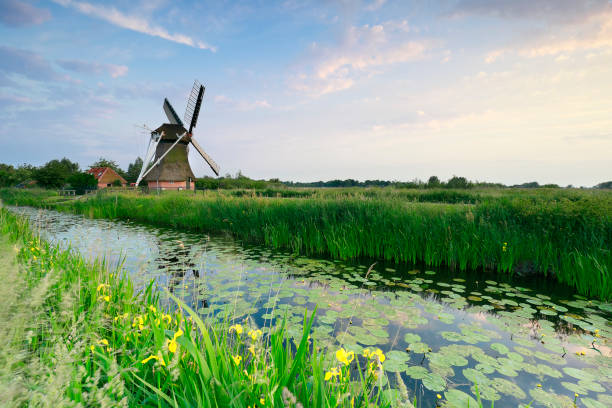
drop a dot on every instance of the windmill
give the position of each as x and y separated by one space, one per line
165 165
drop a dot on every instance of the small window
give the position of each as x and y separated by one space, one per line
171 181
108 185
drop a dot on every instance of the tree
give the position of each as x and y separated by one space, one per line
55 173
458 182
433 182
102 162
82 181
133 171
605 184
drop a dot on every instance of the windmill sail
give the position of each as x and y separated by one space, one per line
171 113
214 166
193 105
153 142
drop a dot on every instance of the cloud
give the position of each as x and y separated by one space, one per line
15 13
134 23
114 71
241 105
27 64
363 51
558 11
593 33
570 25
375 5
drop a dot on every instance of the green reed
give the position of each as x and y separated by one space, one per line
561 235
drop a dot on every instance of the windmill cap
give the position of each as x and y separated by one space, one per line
169 132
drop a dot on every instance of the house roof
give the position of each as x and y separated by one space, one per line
99 172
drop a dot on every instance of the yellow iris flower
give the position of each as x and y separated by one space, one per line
254 334
237 359
157 357
237 328
345 357
334 372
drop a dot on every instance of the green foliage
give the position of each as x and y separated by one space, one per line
458 182
82 181
562 235
55 173
11 176
607 184
133 171
227 182
433 182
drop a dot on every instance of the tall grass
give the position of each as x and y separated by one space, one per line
561 235
77 333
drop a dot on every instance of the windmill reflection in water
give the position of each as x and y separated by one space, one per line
177 262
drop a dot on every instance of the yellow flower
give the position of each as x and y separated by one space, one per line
379 353
262 401
366 353
237 328
345 357
168 318
438 396
152 308
92 347
334 372
539 385
575 395
151 357
178 334
254 334
103 342
252 350
237 359
154 357
101 286
138 321
172 345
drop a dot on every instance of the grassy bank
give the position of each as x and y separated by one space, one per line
75 333
561 235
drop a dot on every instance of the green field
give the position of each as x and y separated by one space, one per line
564 235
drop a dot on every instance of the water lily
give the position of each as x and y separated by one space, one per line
345 357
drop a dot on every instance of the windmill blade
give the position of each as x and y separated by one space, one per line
180 137
193 105
153 142
171 113
214 166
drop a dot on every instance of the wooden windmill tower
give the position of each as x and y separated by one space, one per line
166 165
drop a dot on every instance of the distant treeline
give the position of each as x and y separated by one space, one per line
63 174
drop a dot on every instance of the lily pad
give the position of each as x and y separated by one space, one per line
459 399
434 382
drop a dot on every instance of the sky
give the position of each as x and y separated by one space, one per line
506 91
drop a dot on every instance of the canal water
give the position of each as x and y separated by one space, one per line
442 331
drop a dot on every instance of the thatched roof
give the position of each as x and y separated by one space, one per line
175 165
